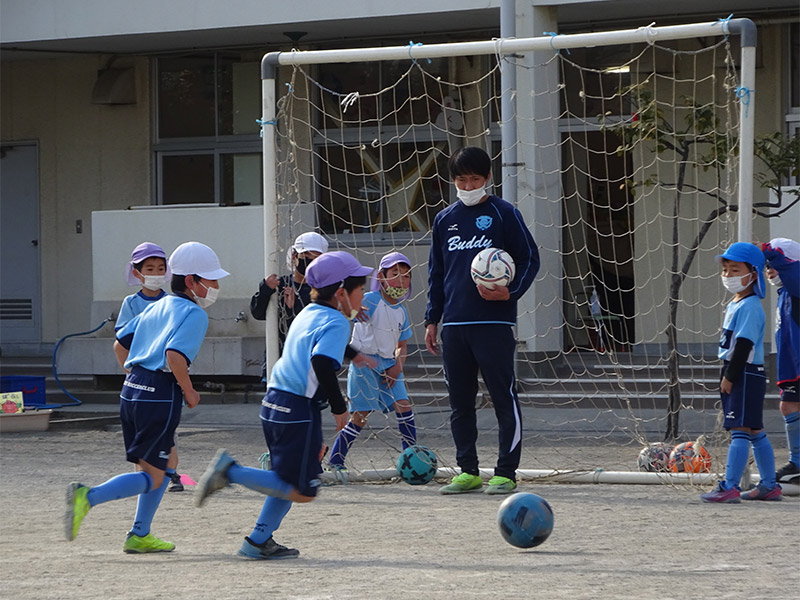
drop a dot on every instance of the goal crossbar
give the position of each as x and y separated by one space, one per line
650 34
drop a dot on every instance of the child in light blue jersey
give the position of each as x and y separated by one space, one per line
382 337
155 348
147 268
301 383
743 380
783 261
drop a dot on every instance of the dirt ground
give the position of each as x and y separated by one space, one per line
377 540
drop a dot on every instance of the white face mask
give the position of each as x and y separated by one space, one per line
154 282
776 281
734 284
211 296
353 311
471 197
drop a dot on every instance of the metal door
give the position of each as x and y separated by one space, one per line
20 300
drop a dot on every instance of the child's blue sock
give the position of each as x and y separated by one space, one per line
765 458
408 430
738 455
259 480
793 436
344 440
269 520
146 508
121 486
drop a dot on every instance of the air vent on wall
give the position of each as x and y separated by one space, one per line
12 309
115 86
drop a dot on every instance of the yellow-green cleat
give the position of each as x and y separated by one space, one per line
461 484
77 507
149 543
500 485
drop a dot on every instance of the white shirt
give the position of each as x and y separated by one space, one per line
388 324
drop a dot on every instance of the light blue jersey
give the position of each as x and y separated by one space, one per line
134 304
318 329
174 323
743 319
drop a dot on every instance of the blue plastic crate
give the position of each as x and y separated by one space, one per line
32 388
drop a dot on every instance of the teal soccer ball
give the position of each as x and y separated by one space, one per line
416 465
525 520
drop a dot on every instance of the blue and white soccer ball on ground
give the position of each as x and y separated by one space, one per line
491 267
417 465
525 520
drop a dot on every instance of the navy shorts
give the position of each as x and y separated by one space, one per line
789 391
293 430
150 410
744 406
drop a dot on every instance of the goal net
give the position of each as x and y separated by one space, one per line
627 173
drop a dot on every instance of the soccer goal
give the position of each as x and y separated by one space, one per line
630 155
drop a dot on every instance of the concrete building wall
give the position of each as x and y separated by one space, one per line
99 157
92 157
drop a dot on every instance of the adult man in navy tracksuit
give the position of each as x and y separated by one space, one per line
478 322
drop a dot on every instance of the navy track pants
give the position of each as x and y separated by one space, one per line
490 348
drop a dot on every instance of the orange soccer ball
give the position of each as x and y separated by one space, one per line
689 458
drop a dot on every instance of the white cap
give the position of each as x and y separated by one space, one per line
194 258
789 248
310 242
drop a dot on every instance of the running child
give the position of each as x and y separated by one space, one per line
148 268
743 379
293 291
155 348
382 337
783 271
302 381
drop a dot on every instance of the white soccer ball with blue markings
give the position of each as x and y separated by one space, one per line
492 267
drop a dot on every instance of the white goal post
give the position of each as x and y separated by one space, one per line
506 50
650 34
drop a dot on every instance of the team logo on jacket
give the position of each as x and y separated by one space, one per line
483 222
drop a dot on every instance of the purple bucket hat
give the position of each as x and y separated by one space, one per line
388 261
141 252
334 267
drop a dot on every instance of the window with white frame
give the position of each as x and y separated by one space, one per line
207 146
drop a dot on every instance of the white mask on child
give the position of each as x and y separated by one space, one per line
734 284
211 296
471 197
353 311
776 281
154 282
